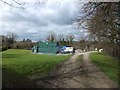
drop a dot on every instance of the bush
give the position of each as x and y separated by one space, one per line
3 48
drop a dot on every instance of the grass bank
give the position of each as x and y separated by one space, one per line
17 65
107 64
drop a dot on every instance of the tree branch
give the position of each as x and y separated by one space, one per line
7 3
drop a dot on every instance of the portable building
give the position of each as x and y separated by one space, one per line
45 47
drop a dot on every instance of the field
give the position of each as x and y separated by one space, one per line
18 65
107 64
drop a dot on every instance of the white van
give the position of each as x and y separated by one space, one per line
67 49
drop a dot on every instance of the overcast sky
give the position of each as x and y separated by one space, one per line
37 21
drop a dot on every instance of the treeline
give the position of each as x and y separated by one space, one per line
24 44
9 42
69 40
61 39
102 22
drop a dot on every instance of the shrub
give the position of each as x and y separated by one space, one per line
3 48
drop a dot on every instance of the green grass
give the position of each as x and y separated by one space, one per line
18 64
107 64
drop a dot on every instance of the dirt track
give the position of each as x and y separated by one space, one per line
77 74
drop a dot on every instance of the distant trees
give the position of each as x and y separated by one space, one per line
82 44
51 37
7 41
69 39
25 44
11 39
3 43
61 39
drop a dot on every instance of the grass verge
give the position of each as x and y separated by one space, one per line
107 64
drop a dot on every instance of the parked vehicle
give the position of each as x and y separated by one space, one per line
67 49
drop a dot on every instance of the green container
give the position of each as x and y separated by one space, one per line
45 47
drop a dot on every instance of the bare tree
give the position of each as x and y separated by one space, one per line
60 37
51 37
11 39
102 21
3 43
21 4
70 38
13 3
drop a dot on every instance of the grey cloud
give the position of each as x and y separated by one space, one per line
19 17
37 23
